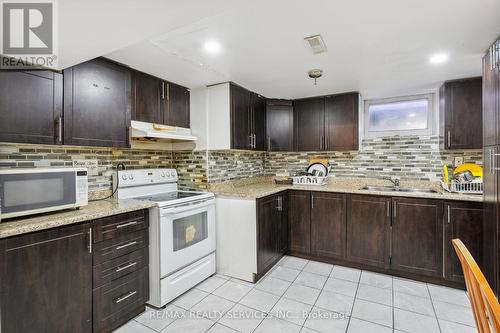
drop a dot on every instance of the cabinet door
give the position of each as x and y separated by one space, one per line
259 122
97 104
490 214
147 98
463 220
299 219
490 100
368 230
177 113
341 122
417 236
31 107
328 224
47 281
279 126
463 114
268 219
240 118
283 225
309 124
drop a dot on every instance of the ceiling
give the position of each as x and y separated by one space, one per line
380 48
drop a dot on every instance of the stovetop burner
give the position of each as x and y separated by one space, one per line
169 196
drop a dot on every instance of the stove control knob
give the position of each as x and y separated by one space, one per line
131 176
124 177
163 174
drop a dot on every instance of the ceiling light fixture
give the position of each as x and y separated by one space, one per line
212 47
315 74
438 58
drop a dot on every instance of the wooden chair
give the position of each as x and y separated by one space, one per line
485 305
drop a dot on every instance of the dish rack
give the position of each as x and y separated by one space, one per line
474 187
310 180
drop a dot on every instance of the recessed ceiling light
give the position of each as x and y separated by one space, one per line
212 47
438 58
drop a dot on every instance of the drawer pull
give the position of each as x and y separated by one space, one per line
121 299
132 264
126 224
126 245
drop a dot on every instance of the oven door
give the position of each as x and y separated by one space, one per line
33 192
187 233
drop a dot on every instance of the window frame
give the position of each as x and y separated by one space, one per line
430 97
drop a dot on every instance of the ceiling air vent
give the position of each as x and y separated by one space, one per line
316 43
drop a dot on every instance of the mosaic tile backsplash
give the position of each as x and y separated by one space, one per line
409 157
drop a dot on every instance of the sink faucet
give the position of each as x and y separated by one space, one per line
395 181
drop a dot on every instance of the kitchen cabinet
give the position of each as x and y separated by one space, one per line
326 123
147 98
491 101
299 219
328 225
279 117
368 230
31 107
417 236
461 103
97 104
46 281
309 129
271 231
341 122
160 102
463 220
248 119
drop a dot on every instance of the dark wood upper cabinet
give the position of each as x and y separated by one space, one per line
47 275
417 236
309 120
463 220
341 122
97 104
368 230
461 102
299 219
328 224
176 110
147 91
279 125
31 107
248 119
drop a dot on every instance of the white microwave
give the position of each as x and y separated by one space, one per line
40 190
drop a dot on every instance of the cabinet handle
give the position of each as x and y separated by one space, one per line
254 141
90 240
394 209
388 209
279 200
59 130
326 143
121 299
321 143
162 90
449 139
269 143
119 226
312 201
126 245
449 214
121 268
168 91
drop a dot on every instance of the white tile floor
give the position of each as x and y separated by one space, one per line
298 295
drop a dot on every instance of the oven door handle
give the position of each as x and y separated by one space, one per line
185 208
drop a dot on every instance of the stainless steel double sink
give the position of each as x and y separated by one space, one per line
397 189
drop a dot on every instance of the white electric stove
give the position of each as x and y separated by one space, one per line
181 231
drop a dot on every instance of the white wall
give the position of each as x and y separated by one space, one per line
198 114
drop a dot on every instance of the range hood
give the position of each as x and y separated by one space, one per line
161 133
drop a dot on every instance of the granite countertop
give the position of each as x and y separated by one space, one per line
94 210
257 187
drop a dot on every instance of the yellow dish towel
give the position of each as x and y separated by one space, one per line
446 175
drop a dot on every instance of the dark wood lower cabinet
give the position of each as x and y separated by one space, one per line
368 230
463 220
46 281
299 219
328 224
417 236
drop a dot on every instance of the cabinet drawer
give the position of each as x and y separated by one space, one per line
118 267
119 246
115 301
113 226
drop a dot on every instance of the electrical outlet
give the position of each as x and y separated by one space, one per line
457 161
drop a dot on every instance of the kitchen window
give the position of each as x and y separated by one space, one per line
411 115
